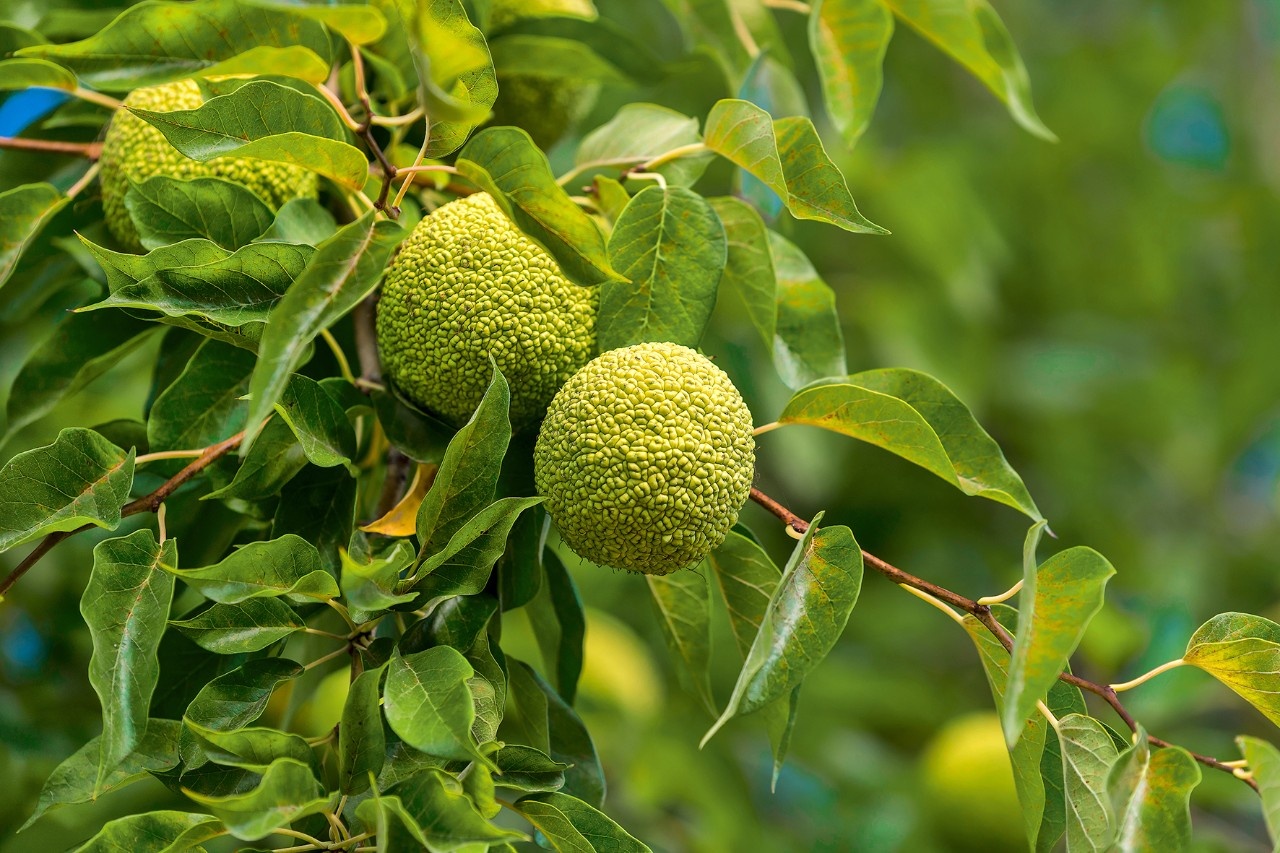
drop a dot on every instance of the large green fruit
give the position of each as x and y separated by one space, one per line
468 285
133 151
545 107
968 786
645 458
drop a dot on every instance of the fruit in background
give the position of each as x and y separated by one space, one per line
968 788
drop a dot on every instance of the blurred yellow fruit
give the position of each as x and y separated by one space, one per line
616 668
323 711
968 786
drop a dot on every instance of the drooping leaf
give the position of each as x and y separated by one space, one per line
79 479
747 578
344 269
436 812
429 705
1088 754
1264 764
153 832
807 343
914 416
249 626
1057 601
253 748
402 519
318 421
287 792
1243 652
672 248
287 566
370 586
168 210
572 826
546 722
529 770
683 601
362 744
849 39
155 42
504 161
24 211
641 132
806 615
748 271
202 406
1150 790
237 698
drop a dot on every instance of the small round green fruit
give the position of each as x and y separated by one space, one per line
968 786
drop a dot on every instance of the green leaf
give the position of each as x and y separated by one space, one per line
1088 754
914 416
19 74
318 421
806 615
276 458
264 120
198 278
568 740
1264 764
202 406
1243 652
683 600
559 623
428 703
553 58
254 749
748 270
526 717
318 505
80 479
1057 602
249 626
530 770
343 271
287 566
362 744
638 133
1150 793
572 826
849 39
156 42
672 248
237 698
287 792
747 579
807 344
358 23
369 587
974 36
76 779
468 476
24 211
464 565
504 161
80 350
787 155
412 432
125 605
300 220
435 810
168 210
153 832
455 77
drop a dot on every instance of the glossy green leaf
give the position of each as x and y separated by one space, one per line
787 155
526 718
468 476
559 623
437 813
81 349
974 36
300 220
255 748
249 626
807 342
748 271
747 578
464 565
553 58
287 792
806 615
198 278
1057 602
169 210
155 42
19 74
343 271
456 81
683 602
849 39
24 211
638 133
319 506
1150 791
568 740
915 416
287 566
357 23
275 459
321 425
1243 652
362 744
76 779
237 698
1088 754
520 567
1264 764
153 832
79 479
672 248
530 770
505 161
572 826
429 704
202 406
414 433
369 587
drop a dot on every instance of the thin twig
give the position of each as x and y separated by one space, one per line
92 150
364 318
983 614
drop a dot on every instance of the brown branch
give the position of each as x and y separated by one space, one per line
983 614
365 132
146 503
363 319
91 150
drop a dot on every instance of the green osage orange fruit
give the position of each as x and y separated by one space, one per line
968 788
645 458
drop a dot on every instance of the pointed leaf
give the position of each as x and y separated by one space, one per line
168 210
358 24
237 698
362 744
808 344
19 74
1088 754
24 211
287 792
436 811
527 769
202 406
748 270
464 565
276 458
1150 792
683 600
249 626
560 624
849 39
318 421
370 587
429 704
1264 763
1243 652
572 826
319 506
153 832
255 748
288 566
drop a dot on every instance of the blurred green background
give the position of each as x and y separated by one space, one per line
1108 306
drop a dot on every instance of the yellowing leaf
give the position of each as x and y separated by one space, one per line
402 519
1243 652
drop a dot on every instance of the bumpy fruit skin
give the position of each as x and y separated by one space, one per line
133 150
466 285
969 789
545 107
645 458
